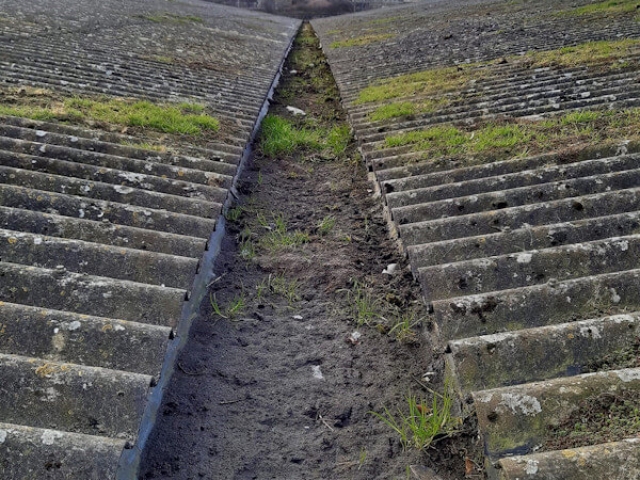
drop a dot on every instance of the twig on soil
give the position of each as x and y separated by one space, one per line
422 384
217 279
325 423
193 374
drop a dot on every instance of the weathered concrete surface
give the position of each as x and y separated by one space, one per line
519 255
514 420
34 454
609 460
103 227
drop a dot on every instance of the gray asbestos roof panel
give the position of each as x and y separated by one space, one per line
100 236
528 263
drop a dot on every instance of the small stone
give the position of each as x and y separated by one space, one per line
298 317
40 133
295 111
317 373
391 269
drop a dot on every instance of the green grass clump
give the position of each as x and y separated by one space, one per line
363 305
496 140
393 110
363 40
338 139
441 80
181 119
419 424
278 236
326 225
235 307
280 285
433 81
281 136
583 54
608 6
184 118
447 139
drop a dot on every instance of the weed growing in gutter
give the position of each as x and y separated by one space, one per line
420 424
281 136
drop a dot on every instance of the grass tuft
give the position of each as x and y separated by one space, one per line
608 7
183 118
495 140
441 80
280 136
419 425
363 40
326 225
232 310
278 236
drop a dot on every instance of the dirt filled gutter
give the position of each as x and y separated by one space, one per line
314 323
129 465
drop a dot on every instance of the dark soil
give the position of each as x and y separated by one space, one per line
274 382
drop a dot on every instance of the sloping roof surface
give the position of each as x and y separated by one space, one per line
524 245
102 228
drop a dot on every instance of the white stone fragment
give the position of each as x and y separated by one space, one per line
391 269
296 111
590 331
524 258
317 373
3 436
